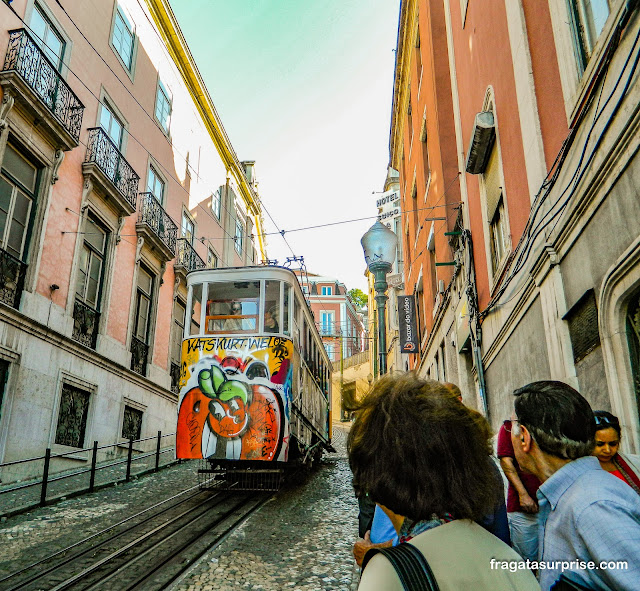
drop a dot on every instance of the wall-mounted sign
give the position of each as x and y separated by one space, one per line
388 197
463 332
408 328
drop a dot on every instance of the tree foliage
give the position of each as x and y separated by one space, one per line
358 297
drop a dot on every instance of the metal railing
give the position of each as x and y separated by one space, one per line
187 257
12 272
19 496
157 219
25 57
139 354
85 324
357 359
175 377
105 154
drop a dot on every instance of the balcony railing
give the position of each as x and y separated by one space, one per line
175 377
153 215
12 272
25 57
104 153
139 354
85 324
187 257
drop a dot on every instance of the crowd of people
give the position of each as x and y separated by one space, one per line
434 514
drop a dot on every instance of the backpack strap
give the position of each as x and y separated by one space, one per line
411 566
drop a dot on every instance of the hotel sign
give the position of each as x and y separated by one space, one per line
407 320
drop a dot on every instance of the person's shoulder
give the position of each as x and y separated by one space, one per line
379 574
598 488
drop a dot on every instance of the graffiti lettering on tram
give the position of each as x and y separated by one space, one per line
233 392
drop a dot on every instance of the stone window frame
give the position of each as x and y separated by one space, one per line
65 377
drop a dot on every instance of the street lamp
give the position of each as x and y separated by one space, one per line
379 245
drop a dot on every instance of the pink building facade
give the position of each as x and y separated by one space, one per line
117 179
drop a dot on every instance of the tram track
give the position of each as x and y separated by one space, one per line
142 551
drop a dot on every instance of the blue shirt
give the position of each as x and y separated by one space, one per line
586 514
382 529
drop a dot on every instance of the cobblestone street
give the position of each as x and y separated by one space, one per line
300 540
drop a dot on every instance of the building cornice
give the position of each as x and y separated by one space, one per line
176 44
408 16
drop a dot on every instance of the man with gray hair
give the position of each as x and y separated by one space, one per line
589 520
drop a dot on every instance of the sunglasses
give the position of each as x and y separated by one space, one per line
605 421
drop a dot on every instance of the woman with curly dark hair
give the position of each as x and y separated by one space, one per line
425 459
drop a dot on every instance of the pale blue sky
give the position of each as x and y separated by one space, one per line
304 88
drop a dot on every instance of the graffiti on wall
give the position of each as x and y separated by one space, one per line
235 398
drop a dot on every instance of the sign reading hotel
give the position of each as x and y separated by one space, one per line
407 320
388 208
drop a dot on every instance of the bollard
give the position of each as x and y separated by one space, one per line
92 479
158 450
45 477
129 459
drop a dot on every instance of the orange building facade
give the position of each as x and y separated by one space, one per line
117 179
516 141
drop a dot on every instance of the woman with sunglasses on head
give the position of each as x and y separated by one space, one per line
608 433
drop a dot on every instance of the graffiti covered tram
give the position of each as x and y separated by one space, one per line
255 379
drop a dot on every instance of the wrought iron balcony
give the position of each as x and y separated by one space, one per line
12 272
139 354
104 155
40 78
175 377
187 258
156 226
85 324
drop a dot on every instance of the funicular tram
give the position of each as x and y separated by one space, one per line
255 379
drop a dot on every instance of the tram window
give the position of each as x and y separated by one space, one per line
233 307
272 306
285 312
196 307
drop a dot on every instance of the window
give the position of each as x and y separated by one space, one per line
239 236
155 185
588 19
327 322
143 305
215 203
305 289
179 315
4 375
112 125
122 38
329 349
47 37
414 207
72 416
418 53
131 423
18 183
91 267
327 290
495 209
212 259
163 107
633 342
235 308
188 227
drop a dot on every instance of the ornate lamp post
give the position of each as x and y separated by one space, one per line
379 245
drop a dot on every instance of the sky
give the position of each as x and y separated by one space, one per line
304 88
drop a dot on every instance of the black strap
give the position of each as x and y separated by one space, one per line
410 564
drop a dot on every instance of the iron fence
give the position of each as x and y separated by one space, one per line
85 324
105 154
12 272
25 57
157 219
130 459
187 257
139 354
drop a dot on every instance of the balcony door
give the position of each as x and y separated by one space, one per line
47 37
18 185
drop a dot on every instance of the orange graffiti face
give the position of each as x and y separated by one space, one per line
228 418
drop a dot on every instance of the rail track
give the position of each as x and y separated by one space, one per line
147 551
